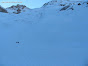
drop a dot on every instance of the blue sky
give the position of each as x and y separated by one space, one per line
28 3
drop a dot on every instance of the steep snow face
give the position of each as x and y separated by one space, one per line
17 9
45 37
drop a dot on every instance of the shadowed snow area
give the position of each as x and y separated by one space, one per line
45 37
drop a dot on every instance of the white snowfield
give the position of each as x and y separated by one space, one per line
45 37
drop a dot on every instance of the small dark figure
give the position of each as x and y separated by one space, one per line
17 42
79 4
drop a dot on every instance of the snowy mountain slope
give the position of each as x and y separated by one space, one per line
46 36
64 3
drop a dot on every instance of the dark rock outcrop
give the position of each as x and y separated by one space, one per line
3 10
18 8
64 8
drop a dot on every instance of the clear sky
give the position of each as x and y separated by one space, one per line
28 3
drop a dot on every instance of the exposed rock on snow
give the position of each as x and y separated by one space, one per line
64 8
3 10
63 3
17 9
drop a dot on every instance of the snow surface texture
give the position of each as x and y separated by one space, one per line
45 37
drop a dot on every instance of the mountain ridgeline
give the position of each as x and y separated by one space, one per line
64 5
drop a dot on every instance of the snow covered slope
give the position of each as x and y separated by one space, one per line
45 37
